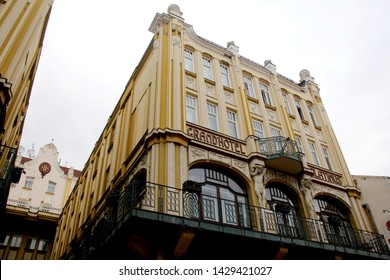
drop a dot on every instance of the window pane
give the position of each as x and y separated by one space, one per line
189 62
51 187
212 111
191 109
265 94
225 75
232 123
207 68
249 87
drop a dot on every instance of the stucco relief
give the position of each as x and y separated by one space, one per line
171 164
229 98
156 44
220 158
210 90
197 154
190 82
271 115
176 41
183 164
321 189
241 166
253 108
289 180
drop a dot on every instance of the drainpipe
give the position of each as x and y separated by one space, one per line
367 209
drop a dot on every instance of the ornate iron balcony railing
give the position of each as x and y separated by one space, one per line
192 204
279 146
7 170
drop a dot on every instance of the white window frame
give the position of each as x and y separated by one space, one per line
313 152
208 68
191 109
325 152
232 123
299 144
300 109
51 187
286 103
312 114
225 75
189 60
250 91
258 129
16 240
265 93
212 111
29 183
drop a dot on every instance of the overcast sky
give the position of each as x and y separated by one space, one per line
91 48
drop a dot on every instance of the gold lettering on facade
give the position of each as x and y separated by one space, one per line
215 140
326 176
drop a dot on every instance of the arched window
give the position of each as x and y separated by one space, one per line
222 198
285 209
336 221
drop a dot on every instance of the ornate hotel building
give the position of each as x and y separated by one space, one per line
210 155
22 30
34 205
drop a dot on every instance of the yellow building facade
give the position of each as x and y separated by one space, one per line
210 155
22 29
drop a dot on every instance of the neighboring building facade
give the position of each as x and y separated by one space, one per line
34 205
376 202
22 30
209 155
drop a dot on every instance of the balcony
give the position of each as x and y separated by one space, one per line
282 154
8 173
161 207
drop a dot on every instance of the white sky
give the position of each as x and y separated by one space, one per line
92 47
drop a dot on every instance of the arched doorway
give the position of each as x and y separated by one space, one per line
223 197
283 203
335 218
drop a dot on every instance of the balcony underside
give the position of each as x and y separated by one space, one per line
148 235
284 164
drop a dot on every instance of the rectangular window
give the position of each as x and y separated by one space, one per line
327 158
249 86
312 115
191 109
299 108
207 68
225 75
232 123
16 240
212 112
275 132
31 243
265 94
51 187
29 182
43 244
313 152
5 242
258 129
299 144
189 60
286 103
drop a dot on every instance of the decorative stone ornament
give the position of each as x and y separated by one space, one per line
44 168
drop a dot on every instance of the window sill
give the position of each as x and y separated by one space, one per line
253 99
305 122
192 74
318 127
225 88
273 108
210 82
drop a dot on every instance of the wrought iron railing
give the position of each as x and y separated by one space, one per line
191 204
279 146
7 162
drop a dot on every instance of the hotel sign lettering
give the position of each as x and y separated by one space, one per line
215 140
326 176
